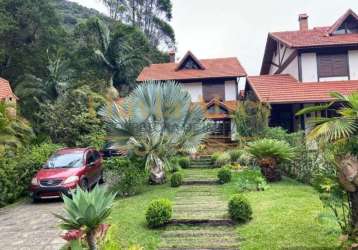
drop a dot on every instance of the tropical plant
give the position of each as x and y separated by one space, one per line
235 155
114 54
340 131
240 209
269 153
159 212
156 122
14 130
87 211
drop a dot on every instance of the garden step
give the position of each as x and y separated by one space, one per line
200 237
200 182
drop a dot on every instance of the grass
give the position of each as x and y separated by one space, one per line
284 216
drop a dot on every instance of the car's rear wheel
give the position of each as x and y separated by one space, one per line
84 184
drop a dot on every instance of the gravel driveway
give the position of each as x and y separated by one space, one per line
27 226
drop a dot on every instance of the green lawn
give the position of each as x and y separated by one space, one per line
284 217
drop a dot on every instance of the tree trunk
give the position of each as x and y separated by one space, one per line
353 200
91 240
157 173
269 169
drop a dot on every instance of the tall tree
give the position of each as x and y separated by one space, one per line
151 16
27 29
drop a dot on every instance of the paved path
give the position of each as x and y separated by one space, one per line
27 226
204 208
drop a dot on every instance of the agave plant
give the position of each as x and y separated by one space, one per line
156 122
86 211
268 153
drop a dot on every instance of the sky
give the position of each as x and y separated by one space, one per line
239 28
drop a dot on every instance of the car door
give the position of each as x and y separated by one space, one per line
97 165
91 167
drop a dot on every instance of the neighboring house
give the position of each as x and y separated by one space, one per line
212 83
7 96
302 67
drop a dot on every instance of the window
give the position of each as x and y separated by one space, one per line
90 157
331 65
348 27
214 109
190 64
213 90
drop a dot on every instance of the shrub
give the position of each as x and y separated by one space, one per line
176 179
174 165
223 159
158 213
235 155
17 170
240 209
269 153
224 175
251 180
126 176
184 162
215 156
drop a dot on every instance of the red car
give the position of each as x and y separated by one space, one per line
66 169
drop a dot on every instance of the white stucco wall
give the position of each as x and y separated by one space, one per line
353 64
309 67
281 51
335 78
292 68
230 90
195 89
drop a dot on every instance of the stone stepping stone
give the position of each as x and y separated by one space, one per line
203 237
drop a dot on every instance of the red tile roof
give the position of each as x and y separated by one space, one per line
5 89
319 36
213 68
286 89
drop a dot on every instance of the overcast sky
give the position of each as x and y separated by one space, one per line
239 28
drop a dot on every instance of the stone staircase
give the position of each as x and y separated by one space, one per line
204 161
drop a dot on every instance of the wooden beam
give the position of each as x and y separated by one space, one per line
287 62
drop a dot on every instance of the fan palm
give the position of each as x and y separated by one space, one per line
14 131
157 121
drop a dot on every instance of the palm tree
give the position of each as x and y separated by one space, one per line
114 54
14 131
156 122
342 128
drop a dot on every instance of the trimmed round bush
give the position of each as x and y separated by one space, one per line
176 180
224 175
158 213
184 162
240 209
174 165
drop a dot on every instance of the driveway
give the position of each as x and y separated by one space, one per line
27 226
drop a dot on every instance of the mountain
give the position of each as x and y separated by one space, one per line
72 13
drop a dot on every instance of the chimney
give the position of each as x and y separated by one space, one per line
171 56
303 20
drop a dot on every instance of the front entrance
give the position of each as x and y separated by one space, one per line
221 128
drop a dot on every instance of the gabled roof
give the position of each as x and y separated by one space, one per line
279 89
211 68
318 37
5 89
191 56
230 106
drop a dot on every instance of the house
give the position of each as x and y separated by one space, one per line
212 83
7 96
301 68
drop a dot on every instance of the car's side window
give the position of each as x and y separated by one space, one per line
90 158
96 155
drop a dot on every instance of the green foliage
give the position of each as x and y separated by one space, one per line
215 156
278 150
224 174
223 159
251 180
235 155
174 164
176 179
86 211
240 209
158 213
184 162
17 170
110 242
251 118
161 123
126 176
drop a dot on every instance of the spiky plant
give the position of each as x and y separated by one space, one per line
86 211
156 122
268 153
